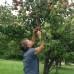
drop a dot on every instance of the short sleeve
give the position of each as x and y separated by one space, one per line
30 53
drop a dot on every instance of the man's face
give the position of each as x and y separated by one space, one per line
29 42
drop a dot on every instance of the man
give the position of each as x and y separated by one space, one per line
31 63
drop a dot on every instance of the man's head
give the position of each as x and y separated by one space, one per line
26 44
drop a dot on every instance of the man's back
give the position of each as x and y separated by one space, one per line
31 63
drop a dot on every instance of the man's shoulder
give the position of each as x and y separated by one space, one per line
31 51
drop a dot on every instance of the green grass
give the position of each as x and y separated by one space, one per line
16 67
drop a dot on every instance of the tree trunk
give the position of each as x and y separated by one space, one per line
56 67
60 63
46 66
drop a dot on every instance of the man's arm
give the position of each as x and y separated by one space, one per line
33 38
36 30
39 35
39 49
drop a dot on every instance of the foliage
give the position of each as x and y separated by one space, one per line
57 29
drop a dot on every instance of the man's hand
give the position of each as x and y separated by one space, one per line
39 35
33 36
36 30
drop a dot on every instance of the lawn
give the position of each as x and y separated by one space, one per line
16 67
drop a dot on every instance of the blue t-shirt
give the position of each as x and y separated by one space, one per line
31 63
